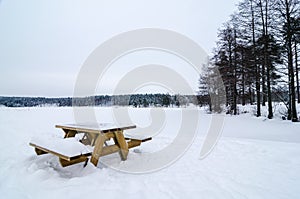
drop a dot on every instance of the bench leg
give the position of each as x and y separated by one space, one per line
86 162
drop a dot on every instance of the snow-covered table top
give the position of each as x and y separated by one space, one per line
96 127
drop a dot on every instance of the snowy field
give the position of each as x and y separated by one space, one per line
254 158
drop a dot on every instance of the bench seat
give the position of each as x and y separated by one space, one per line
137 134
135 138
69 150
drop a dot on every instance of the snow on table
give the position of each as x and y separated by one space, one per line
96 126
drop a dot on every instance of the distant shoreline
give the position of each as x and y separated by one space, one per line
135 100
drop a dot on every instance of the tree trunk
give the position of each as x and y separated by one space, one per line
243 87
243 78
267 62
263 84
297 72
235 76
270 108
289 116
257 68
264 64
294 116
250 95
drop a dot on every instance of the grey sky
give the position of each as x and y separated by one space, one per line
44 43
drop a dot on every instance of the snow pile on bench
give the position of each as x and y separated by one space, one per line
68 147
137 134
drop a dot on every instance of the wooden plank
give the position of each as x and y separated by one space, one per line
86 140
115 148
65 163
97 149
110 150
93 137
69 133
134 143
49 151
142 140
85 130
121 142
44 151
109 135
119 128
147 139
39 151
90 138
94 128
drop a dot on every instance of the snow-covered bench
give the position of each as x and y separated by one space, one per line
135 137
70 150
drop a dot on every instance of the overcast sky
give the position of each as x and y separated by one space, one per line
43 44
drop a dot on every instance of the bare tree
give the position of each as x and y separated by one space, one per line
289 9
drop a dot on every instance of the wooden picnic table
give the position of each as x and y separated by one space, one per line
96 136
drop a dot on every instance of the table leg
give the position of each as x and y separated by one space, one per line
122 144
98 149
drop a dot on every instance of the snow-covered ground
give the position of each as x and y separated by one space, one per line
254 158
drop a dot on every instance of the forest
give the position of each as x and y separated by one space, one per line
257 57
135 100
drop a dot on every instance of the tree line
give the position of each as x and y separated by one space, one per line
135 100
257 56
